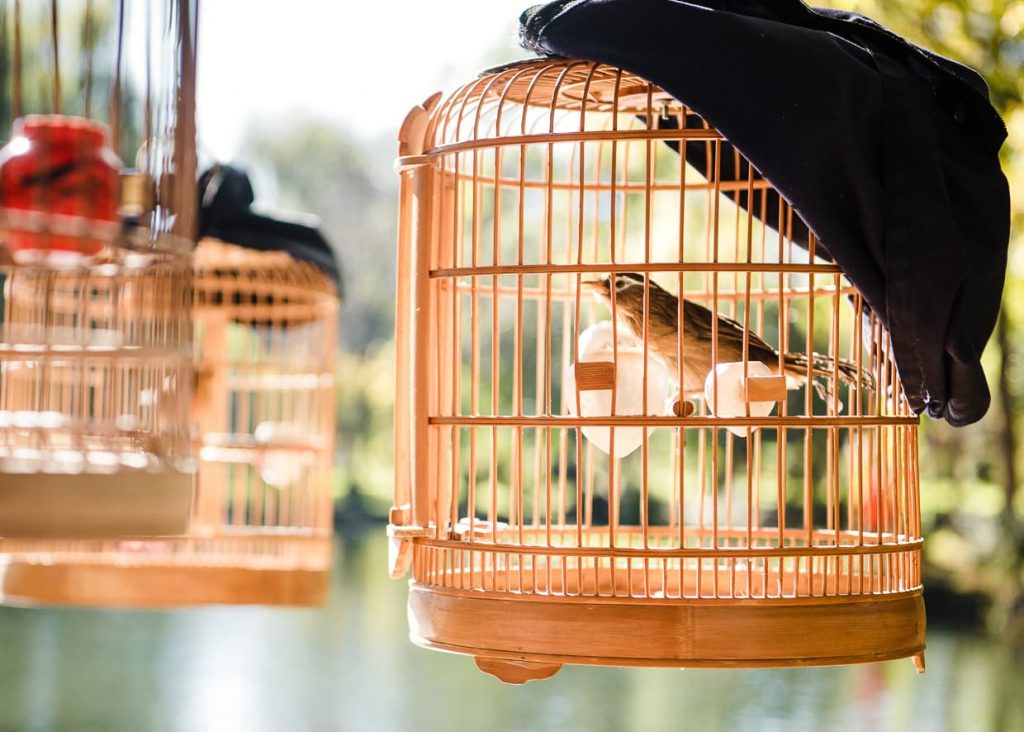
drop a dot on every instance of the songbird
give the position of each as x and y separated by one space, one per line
663 326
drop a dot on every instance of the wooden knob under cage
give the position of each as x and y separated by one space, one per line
516 672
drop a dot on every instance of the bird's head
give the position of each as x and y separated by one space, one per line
628 287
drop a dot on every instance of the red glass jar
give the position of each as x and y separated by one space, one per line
58 189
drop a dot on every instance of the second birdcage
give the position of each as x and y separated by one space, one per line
263 416
581 480
95 270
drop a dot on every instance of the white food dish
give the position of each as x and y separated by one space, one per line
731 402
597 344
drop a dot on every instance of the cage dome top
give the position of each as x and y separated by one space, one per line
554 97
575 85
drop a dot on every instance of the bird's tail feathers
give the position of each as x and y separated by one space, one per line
825 367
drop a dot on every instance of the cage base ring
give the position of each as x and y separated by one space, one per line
670 633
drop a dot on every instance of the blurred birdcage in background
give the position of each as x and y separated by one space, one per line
575 481
266 349
263 407
95 268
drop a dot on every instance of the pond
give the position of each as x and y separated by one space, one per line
350 666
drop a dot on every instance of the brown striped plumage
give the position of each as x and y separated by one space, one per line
662 327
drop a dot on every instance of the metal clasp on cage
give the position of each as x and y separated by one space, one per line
400 523
400 534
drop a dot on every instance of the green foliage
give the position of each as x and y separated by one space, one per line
365 404
87 43
984 34
320 168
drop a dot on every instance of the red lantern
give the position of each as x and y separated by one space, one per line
58 189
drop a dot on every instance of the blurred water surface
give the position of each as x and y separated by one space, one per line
349 666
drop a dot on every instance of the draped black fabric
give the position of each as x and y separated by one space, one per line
888 152
225 197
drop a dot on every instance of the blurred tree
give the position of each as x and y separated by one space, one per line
312 165
320 168
87 37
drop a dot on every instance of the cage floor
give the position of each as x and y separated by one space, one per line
527 630
170 573
125 502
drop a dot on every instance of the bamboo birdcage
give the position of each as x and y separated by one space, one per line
95 348
734 540
263 408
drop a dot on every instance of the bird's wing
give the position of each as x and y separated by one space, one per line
704 315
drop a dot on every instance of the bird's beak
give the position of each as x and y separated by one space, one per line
594 284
